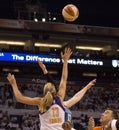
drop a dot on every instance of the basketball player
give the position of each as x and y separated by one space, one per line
72 101
50 106
109 121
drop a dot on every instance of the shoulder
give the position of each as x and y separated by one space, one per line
115 124
73 129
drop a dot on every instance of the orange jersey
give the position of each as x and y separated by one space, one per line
98 128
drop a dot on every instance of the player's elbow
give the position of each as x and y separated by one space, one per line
19 97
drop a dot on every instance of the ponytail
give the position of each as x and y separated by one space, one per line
47 101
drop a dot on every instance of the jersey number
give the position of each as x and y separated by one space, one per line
55 111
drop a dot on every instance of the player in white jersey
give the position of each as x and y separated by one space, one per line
67 117
47 105
54 117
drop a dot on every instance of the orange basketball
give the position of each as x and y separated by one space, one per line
70 12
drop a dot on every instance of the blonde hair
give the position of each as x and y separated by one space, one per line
51 88
49 93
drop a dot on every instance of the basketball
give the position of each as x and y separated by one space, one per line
70 12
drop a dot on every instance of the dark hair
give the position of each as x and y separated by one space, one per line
67 125
114 113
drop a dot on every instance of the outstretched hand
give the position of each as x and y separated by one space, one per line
11 79
66 55
42 66
91 83
91 123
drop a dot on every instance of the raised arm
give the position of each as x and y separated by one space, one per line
78 96
91 123
62 86
19 97
42 66
45 72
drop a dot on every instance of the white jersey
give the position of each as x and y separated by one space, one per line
115 124
54 117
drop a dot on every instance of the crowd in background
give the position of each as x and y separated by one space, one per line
95 101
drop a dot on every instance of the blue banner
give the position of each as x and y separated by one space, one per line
21 57
55 59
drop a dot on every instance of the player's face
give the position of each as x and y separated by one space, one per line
106 117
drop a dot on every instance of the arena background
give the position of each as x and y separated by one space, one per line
42 32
